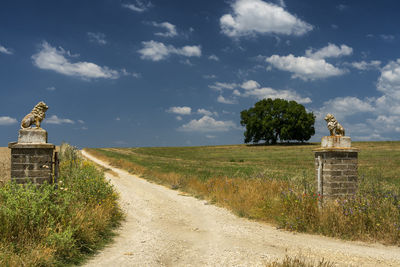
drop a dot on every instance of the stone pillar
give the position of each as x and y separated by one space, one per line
336 166
32 157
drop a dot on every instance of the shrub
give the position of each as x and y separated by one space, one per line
46 225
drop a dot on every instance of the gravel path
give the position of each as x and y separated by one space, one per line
164 227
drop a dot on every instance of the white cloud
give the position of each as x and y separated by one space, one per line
313 65
305 68
97 37
281 3
5 120
137 75
341 7
253 89
249 85
252 17
117 118
56 120
157 51
81 121
179 118
224 100
170 29
209 76
363 65
207 124
213 57
51 58
5 50
210 136
206 112
346 106
389 81
51 88
180 110
267 92
139 6
387 37
219 86
330 50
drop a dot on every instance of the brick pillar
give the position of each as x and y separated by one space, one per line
337 170
31 162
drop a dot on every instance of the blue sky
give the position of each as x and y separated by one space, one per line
177 73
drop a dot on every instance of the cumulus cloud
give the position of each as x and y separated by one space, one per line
224 100
51 58
170 29
5 50
253 89
213 57
364 65
97 37
305 68
180 110
250 85
138 6
250 17
207 124
313 65
54 119
206 112
209 76
330 50
157 51
219 86
5 120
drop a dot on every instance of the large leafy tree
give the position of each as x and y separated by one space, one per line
278 119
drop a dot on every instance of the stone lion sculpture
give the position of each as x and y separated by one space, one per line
35 117
333 125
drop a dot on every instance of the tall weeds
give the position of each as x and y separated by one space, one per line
47 226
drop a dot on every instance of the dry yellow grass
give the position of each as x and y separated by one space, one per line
5 163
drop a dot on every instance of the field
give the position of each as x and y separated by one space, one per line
4 163
378 159
277 184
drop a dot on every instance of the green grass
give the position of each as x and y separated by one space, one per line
378 159
277 184
50 226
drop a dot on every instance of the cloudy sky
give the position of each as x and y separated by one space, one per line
174 73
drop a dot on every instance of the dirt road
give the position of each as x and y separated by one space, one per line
166 228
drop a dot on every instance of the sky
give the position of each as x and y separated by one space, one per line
178 73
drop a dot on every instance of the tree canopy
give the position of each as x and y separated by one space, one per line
278 119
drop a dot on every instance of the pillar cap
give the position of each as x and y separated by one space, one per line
336 149
18 145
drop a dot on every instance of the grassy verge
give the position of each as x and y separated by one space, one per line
277 184
46 226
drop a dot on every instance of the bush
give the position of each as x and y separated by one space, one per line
46 225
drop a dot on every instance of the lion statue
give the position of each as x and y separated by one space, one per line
35 117
333 125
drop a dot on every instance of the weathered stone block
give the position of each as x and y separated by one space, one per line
32 136
336 141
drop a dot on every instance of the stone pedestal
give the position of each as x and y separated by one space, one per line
32 136
32 157
336 141
336 167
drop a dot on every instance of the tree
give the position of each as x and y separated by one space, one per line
271 120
